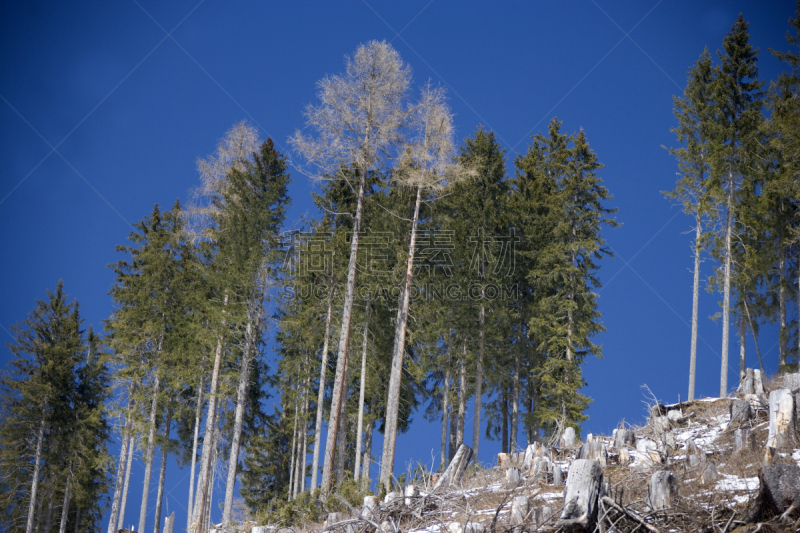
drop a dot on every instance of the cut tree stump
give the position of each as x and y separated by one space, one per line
455 470
557 476
584 481
568 438
791 381
520 506
746 386
393 498
410 495
693 454
370 508
662 490
782 424
169 523
531 452
758 383
594 451
624 437
541 467
743 440
778 492
741 413
708 472
513 476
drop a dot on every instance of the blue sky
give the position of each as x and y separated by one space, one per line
105 107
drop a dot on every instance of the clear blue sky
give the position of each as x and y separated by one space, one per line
107 105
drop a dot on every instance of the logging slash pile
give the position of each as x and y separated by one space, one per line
717 465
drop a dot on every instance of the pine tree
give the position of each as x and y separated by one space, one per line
693 114
737 100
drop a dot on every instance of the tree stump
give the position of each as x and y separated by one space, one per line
333 518
708 472
410 495
531 452
781 420
568 438
557 476
743 440
594 451
758 383
503 460
746 386
662 490
693 454
791 381
370 508
584 480
778 492
648 450
455 470
520 506
542 515
624 456
741 413
541 467
513 476
169 523
393 498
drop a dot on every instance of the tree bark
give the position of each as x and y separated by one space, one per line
65 507
367 461
321 391
163 471
726 296
120 471
445 415
398 351
197 416
78 520
695 307
48 521
341 445
476 424
742 350
123 505
515 389
504 414
782 308
35 482
208 437
581 493
339 384
455 470
462 400
151 448
291 461
241 399
453 429
360 426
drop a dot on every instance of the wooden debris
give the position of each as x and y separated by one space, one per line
584 480
520 507
662 490
779 492
455 470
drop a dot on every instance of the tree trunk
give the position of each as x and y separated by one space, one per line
151 448
341 444
462 400
360 426
35 482
205 460
339 384
38 515
123 505
515 389
742 349
398 351
453 431
78 520
321 392
782 333
300 463
65 508
120 471
241 400
695 307
504 414
163 471
445 415
476 424
213 473
367 461
798 318
197 415
48 521
291 462
726 295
